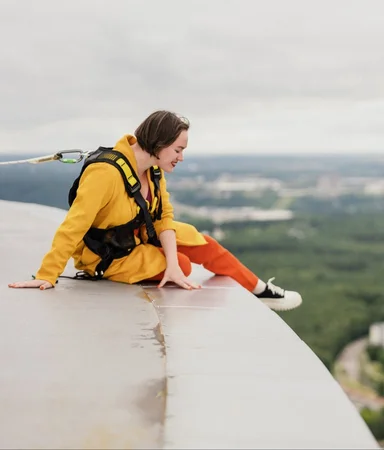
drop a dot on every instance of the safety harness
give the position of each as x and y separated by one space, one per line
117 242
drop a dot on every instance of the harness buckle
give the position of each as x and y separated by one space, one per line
134 187
156 171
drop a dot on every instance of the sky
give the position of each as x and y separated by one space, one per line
252 76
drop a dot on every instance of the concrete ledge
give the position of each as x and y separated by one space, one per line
239 377
98 365
81 367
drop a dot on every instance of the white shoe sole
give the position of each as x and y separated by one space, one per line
279 304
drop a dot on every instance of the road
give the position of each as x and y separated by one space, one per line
348 375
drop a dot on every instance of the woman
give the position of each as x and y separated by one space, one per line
101 203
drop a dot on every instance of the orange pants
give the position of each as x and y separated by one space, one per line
215 258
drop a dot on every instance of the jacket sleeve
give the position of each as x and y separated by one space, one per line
95 190
166 222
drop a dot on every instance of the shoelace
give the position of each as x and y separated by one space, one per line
275 289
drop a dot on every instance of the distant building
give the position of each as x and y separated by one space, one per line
376 334
328 185
374 187
229 183
233 214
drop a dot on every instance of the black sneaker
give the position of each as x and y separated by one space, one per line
279 299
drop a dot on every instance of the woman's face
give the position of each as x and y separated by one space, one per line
170 156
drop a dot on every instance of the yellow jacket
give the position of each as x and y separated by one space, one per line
102 202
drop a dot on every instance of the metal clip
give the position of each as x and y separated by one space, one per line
77 159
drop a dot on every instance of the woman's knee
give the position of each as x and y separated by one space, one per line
213 245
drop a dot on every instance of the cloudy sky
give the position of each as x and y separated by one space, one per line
253 76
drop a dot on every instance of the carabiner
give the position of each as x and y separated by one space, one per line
81 156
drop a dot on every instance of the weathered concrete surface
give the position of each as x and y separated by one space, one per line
239 377
82 366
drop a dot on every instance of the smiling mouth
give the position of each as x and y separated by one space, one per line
173 164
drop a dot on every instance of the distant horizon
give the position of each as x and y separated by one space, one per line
309 154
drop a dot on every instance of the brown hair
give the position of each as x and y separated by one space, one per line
160 130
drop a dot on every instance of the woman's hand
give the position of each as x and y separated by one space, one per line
42 284
176 275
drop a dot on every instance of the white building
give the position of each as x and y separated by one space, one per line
376 334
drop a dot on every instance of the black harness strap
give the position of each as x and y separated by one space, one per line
155 177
